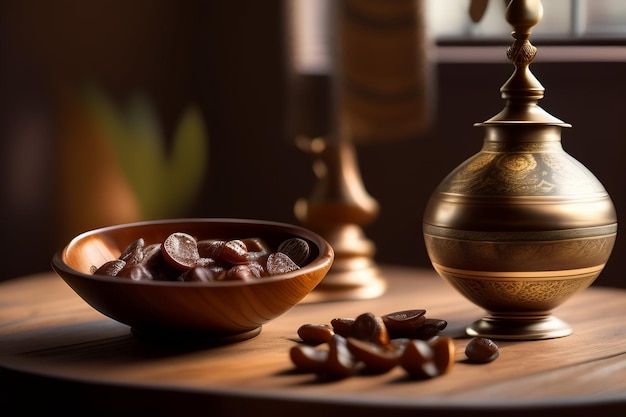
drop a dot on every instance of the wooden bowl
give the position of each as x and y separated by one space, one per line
225 310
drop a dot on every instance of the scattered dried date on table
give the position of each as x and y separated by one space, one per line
373 345
482 350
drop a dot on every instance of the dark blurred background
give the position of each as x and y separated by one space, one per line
77 76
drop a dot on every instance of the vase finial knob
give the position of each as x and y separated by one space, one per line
522 91
522 15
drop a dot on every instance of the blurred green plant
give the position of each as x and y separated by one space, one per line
164 179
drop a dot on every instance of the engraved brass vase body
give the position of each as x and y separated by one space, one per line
521 226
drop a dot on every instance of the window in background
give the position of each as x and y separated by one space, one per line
562 20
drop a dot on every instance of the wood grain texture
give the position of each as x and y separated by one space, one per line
46 330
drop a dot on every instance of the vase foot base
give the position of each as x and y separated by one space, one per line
519 328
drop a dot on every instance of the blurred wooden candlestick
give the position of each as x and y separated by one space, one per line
359 74
337 209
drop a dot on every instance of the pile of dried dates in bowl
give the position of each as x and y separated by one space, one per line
183 257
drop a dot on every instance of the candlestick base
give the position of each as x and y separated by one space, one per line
336 210
354 275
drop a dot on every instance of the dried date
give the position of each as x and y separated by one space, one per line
373 348
482 350
181 257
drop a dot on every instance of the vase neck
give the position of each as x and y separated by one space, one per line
522 137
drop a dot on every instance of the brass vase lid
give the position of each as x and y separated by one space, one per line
522 90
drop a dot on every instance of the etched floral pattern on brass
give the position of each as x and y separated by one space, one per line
522 174
522 53
518 295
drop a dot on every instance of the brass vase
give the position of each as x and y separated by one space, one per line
521 226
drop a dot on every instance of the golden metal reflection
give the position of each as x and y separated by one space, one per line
521 226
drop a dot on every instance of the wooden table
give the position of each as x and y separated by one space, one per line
51 341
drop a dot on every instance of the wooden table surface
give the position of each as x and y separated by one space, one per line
50 339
